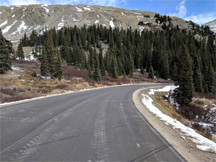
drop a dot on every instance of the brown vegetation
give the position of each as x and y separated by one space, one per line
20 84
196 113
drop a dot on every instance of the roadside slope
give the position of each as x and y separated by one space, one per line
184 146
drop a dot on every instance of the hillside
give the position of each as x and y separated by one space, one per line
17 20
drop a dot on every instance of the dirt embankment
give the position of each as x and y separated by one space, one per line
184 146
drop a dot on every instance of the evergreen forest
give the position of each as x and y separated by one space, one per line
171 53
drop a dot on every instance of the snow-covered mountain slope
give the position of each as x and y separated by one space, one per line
17 20
212 25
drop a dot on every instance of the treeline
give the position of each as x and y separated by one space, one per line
158 53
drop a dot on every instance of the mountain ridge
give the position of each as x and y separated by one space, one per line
17 20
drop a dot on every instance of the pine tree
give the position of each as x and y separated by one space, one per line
184 93
210 79
197 81
97 74
51 54
113 69
58 68
20 53
142 70
197 75
5 61
151 73
89 73
131 66
91 58
164 67
174 72
102 69
44 63
66 52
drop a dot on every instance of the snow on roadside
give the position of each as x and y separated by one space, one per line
201 142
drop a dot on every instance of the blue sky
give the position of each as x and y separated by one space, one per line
199 11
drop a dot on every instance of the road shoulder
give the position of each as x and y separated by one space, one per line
185 147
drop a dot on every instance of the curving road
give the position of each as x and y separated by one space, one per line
94 125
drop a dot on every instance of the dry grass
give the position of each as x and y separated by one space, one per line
167 108
24 85
195 113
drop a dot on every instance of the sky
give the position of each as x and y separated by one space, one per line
198 11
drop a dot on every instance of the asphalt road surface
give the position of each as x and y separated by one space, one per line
94 125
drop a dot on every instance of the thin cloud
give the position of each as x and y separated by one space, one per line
181 8
113 3
197 18
202 18
21 2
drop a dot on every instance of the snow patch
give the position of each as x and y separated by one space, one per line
45 8
4 23
15 41
141 29
201 142
97 21
98 16
112 24
8 27
22 27
136 13
15 68
104 24
13 34
13 16
37 27
87 9
78 9
123 14
74 19
12 8
61 24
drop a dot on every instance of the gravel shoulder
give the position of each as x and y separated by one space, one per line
184 146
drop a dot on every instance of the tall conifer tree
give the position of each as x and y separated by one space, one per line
184 93
5 61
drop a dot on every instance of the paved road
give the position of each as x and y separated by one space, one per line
93 125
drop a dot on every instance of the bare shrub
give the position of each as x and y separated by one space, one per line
62 86
191 112
14 98
199 102
8 91
70 71
204 95
206 131
45 90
